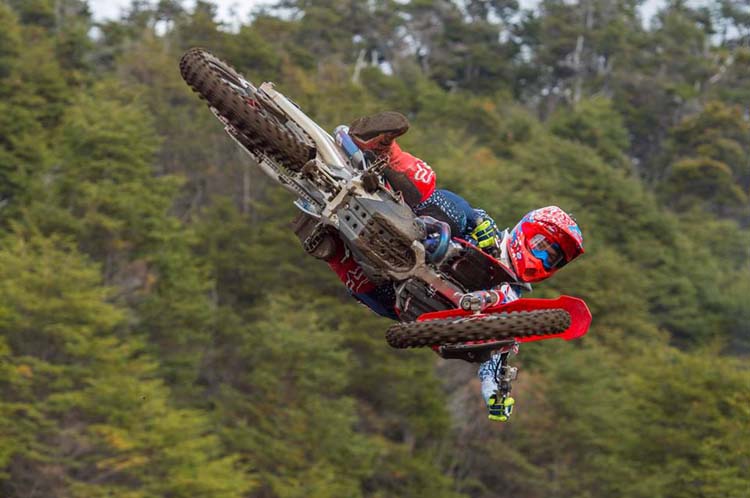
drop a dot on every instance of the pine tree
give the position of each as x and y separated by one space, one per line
91 417
22 140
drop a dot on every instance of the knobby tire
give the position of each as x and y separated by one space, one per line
262 131
498 326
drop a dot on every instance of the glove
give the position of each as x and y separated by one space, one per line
479 300
486 236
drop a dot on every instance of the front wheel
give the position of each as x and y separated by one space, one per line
498 326
236 101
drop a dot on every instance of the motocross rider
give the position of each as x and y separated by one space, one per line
542 242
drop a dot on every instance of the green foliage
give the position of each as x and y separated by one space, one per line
285 405
669 412
730 84
253 54
694 181
103 190
736 311
594 123
73 44
709 161
200 26
10 40
219 360
30 100
35 12
93 417
682 402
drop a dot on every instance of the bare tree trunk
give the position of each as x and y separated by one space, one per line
577 65
358 66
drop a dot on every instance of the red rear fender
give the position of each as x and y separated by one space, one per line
580 316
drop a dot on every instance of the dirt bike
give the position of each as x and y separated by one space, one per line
335 183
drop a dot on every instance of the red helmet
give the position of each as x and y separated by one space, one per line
544 241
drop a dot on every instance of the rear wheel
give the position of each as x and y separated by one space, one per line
226 91
498 326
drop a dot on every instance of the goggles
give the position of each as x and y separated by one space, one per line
549 253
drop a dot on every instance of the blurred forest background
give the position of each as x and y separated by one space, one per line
162 333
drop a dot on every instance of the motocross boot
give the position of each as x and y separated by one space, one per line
377 132
376 135
317 240
496 377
